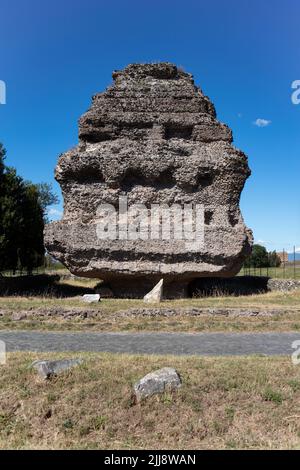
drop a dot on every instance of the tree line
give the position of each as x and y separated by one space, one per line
261 258
23 207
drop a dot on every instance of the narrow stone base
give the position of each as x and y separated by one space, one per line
138 287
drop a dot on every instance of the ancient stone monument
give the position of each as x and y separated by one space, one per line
153 138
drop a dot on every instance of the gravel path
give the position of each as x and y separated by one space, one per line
153 343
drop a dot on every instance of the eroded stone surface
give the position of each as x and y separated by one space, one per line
154 137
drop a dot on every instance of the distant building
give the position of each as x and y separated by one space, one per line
283 256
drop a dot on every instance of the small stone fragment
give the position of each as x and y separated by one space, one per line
48 369
159 381
155 295
90 298
17 316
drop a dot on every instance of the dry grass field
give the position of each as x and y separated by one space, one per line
224 403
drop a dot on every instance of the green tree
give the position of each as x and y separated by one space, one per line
2 158
22 217
11 197
46 197
31 247
259 257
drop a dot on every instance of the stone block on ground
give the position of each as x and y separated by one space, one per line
17 316
48 369
91 298
155 295
157 382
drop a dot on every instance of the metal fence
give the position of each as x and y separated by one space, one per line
288 269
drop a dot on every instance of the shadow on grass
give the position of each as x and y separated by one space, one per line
49 285
234 286
40 285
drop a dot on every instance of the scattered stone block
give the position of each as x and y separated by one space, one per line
17 316
155 295
48 369
90 298
157 382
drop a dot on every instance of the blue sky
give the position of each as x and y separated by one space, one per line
243 53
